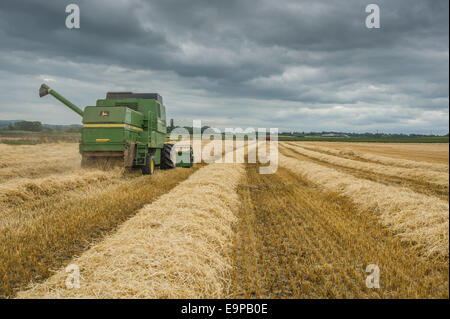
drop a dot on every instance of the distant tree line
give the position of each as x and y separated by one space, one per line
26 126
190 129
36 126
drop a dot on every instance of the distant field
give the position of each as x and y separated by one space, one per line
428 152
33 138
409 139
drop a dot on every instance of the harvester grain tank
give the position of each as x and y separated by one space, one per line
129 127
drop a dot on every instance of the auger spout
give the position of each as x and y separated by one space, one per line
45 89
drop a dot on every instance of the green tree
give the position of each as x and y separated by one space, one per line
28 126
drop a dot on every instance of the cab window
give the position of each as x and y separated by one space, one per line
159 110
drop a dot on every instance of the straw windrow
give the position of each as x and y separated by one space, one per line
176 247
414 217
432 177
377 158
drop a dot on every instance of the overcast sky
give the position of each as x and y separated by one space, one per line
296 65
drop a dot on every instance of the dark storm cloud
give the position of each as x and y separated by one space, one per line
234 61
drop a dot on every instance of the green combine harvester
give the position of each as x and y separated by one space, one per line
128 128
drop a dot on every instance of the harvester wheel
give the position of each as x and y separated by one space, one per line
149 167
168 157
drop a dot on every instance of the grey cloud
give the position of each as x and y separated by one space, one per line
234 61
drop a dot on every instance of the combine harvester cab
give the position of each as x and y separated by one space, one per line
128 128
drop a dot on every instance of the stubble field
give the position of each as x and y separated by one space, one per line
224 230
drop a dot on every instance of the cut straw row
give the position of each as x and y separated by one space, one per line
19 190
420 219
379 159
176 247
431 177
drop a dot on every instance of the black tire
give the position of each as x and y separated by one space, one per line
168 158
149 167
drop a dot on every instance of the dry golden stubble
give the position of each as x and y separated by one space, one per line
177 247
297 240
431 177
417 218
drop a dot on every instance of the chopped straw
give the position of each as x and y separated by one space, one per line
177 247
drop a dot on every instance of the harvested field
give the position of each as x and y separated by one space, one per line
432 177
428 182
57 210
19 191
419 152
412 216
31 161
43 233
351 154
33 138
177 247
294 240
225 230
